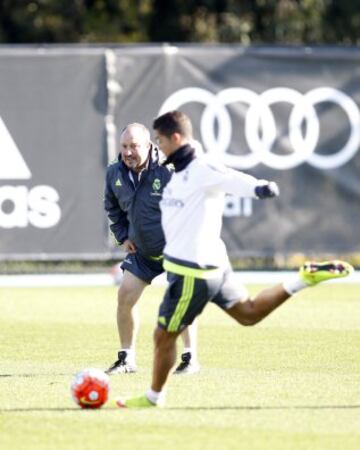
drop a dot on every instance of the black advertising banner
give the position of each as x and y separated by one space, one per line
285 114
52 153
289 115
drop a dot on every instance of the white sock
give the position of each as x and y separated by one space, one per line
130 355
294 285
155 397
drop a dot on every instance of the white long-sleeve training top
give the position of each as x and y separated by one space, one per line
192 208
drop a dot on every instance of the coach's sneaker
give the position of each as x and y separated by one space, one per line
121 365
136 402
313 273
187 366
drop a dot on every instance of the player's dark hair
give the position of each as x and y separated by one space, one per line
173 122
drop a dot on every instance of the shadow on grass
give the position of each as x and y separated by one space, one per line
261 408
192 408
32 375
72 409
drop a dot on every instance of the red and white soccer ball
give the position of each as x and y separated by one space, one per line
90 388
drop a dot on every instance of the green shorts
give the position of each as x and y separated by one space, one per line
186 297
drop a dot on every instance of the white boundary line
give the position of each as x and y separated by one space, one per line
53 280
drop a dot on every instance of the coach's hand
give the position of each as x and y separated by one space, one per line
267 190
129 246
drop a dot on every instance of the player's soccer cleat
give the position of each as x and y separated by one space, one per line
187 365
136 402
121 365
313 273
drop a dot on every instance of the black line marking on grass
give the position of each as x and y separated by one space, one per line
74 408
189 408
31 375
262 408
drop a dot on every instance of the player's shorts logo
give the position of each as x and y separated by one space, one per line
260 129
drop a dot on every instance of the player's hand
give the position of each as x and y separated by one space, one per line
129 246
267 190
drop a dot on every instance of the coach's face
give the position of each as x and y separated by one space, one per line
134 147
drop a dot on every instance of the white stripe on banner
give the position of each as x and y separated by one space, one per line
109 280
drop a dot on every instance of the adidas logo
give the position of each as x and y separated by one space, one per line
12 164
21 206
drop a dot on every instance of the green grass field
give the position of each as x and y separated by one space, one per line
292 382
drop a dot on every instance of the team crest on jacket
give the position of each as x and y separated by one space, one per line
156 184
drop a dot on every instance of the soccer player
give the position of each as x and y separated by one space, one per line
195 257
134 185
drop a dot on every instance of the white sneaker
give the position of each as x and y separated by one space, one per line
187 366
121 365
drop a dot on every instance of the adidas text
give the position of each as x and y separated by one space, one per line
21 206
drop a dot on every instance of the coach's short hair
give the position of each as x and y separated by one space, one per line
174 122
139 126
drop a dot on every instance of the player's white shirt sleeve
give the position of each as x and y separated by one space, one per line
217 177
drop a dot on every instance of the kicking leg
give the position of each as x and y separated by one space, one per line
252 311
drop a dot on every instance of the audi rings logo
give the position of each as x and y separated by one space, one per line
260 126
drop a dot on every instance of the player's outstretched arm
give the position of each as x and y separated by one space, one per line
238 183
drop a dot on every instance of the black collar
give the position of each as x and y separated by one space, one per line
181 158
